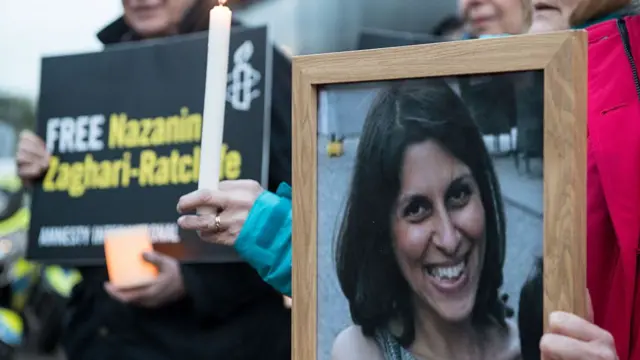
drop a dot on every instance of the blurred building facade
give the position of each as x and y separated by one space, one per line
309 26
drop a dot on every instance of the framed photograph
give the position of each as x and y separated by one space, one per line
439 198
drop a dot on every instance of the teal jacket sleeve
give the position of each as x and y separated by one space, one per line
265 239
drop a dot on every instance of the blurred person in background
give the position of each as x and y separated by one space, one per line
14 224
495 17
493 99
545 19
208 311
612 330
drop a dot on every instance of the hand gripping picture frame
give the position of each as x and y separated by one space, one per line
444 182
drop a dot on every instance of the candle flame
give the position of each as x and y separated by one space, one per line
222 2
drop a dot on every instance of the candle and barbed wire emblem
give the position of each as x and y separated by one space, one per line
243 78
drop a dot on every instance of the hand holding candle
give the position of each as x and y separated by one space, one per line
137 274
123 250
214 98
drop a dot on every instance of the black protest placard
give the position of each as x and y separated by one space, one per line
124 127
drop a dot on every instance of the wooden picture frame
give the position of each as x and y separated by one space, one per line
562 58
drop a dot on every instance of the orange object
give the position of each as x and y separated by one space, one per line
123 249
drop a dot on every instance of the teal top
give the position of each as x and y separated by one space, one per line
265 239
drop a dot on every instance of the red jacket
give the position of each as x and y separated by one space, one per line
613 181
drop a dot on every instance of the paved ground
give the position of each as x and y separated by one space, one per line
523 198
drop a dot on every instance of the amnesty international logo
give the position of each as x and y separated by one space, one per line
243 78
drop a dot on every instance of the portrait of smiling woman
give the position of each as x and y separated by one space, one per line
421 243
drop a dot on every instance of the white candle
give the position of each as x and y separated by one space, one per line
215 95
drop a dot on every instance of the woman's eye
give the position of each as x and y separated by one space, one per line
416 210
459 195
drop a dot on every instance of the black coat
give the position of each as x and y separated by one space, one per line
229 312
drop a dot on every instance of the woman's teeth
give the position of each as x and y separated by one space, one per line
447 272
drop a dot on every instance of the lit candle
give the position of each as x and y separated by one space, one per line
215 95
123 250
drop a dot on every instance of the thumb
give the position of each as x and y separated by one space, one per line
156 258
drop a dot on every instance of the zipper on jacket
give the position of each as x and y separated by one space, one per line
624 34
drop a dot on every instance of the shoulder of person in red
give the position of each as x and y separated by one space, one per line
613 178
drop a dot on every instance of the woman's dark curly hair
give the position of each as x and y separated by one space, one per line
407 113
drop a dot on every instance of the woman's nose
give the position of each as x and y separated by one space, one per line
447 237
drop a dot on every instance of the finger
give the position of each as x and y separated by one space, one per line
553 346
26 156
38 153
287 302
159 260
149 296
562 323
203 223
32 146
146 295
125 295
228 185
28 171
221 238
201 198
30 166
28 136
226 233
210 236
30 157
222 222
113 292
